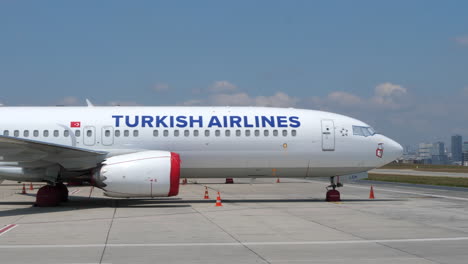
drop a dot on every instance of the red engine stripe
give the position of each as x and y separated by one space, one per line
175 174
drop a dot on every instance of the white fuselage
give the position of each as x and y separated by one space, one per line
246 142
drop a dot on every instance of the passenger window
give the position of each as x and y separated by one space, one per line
195 133
176 133
126 133
155 133
285 133
135 133
293 133
207 133
107 133
89 133
275 133
77 133
117 133
266 133
247 133
26 133
238 133
56 133
227 133
186 133
257 132
45 133
66 133
217 133
166 133
16 133
6 133
36 133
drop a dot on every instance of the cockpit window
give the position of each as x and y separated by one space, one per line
363 131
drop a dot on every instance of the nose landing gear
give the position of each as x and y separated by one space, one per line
333 195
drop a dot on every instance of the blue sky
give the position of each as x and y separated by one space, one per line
401 66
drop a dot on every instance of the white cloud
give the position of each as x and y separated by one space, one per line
237 99
192 102
388 94
279 99
462 40
122 103
344 98
225 93
69 101
161 87
222 87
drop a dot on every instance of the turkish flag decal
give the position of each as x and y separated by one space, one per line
75 124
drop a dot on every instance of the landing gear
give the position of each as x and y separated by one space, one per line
51 195
333 195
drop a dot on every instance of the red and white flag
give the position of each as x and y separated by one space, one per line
75 124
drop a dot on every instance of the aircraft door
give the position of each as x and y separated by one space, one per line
328 135
89 135
107 135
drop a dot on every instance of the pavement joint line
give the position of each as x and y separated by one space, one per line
238 242
416 193
243 244
75 191
7 228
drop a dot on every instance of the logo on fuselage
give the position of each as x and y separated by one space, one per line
203 121
379 150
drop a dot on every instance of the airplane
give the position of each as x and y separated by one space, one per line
144 151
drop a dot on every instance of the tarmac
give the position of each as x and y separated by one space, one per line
263 222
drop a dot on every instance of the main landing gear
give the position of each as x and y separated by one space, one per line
51 195
333 195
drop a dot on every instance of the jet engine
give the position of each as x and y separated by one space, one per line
141 174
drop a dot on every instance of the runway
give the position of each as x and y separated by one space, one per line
264 222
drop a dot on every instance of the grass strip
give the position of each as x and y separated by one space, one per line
427 167
430 180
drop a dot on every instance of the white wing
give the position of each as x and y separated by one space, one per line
31 153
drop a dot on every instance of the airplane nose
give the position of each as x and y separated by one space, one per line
393 150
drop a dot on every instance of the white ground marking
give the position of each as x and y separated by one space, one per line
407 240
75 191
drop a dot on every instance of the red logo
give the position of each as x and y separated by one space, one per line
379 150
75 124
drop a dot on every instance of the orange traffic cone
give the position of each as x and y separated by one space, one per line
31 187
206 194
278 180
24 189
371 194
218 200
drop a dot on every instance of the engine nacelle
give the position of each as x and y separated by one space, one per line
141 174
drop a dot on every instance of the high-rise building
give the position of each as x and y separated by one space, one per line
457 148
438 155
424 152
465 153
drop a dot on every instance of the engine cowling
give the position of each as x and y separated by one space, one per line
141 174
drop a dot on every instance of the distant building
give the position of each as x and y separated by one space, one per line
425 153
457 148
438 155
465 153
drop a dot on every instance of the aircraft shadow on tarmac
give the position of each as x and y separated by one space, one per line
84 203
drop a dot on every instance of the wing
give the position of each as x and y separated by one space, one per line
31 153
